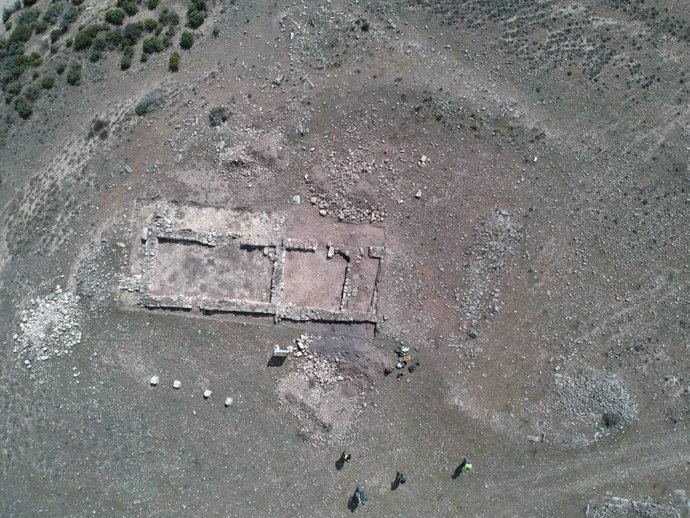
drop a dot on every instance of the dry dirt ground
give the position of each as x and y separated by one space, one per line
524 164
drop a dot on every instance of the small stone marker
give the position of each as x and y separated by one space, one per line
154 380
228 401
177 384
207 393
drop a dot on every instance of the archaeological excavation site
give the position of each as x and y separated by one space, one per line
321 259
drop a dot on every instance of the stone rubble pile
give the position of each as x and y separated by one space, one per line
313 366
497 240
50 327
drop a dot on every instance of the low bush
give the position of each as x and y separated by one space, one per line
95 55
174 62
168 17
218 115
60 67
28 17
41 27
115 16
113 39
126 60
71 14
128 6
74 74
84 38
195 18
23 107
47 82
186 40
150 101
131 33
21 33
152 45
152 4
151 25
53 12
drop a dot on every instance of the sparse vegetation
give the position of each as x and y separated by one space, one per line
186 40
149 102
174 62
152 4
218 115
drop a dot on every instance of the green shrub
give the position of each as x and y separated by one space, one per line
47 82
195 18
95 55
77 2
166 40
14 89
21 33
68 42
186 40
32 92
60 67
126 60
8 26
115 16
168 17
34 59
128 6
113 39
71 14
144 57
152 4
84 38
99 43
218 115
41 27
131 34
74 74
6 13
151 25
174 62
151 45
28 17
216 31
55 35
29 3
53 12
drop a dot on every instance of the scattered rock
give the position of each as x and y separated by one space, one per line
154 380
177 384
207 393
228 401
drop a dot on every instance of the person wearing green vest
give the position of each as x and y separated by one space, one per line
465 465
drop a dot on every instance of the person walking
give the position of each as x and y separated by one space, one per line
400 478
464 466
360 496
